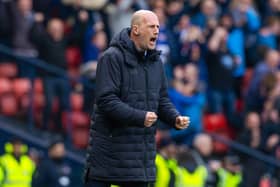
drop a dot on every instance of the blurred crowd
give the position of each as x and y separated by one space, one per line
24 167
221 58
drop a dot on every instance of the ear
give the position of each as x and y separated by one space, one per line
135 30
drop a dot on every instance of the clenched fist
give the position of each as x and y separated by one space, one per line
182 122
150 119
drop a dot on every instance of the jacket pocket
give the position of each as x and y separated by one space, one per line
101 149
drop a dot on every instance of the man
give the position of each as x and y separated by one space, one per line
16 168
231 174
131 94
53 172
52 44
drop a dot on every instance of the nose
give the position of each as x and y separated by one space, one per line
156 31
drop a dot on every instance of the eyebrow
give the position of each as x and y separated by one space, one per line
153 25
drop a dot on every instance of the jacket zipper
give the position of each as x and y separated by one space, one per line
145 128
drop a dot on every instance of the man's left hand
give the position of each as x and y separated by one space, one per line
182 122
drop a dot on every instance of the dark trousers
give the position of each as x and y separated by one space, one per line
120 184
60 87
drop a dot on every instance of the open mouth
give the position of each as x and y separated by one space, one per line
153 39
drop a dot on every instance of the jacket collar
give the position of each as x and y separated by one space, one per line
131 55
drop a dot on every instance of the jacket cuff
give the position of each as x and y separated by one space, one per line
139 117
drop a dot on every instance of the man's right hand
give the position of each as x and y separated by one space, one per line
150 119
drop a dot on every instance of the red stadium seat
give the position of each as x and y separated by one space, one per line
39 101
5 86
24 102
55 105
215 122
73 57
219 147
8 105
78 119
8 70
80 138
21 86
77 102
38 86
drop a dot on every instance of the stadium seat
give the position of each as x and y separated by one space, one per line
80 138
55 104
5 86
21 86
8 70
219 147
8 105
24 102
73 57
78 119
38 86
76 102
215 122
39 101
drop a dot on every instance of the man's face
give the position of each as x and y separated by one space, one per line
58 151
17 148
25 5
55 29
148 32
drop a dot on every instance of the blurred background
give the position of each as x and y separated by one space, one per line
222 61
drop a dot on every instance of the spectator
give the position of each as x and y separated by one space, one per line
271 8
246 18
190 101
235 44
95 44
52 46
268 34
220 65
193 172
167 169
119 14
23 17
16 168
190 39
53 171
5 26
245 15
230 174
165 43
203 153
174 10
252 137
254 97
208 10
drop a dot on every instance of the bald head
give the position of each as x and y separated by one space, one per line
203 143
139 16
55 29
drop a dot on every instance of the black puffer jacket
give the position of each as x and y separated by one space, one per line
127 86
